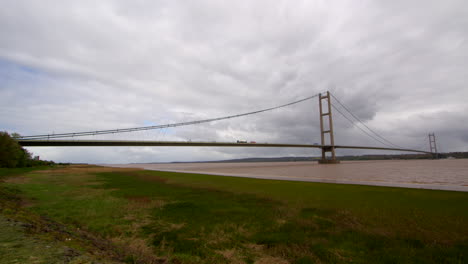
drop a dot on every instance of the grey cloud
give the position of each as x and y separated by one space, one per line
400 66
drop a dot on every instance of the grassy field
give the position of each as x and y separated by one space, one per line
82 214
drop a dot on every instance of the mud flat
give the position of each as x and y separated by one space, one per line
427 174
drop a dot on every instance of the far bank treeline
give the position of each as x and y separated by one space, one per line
12 155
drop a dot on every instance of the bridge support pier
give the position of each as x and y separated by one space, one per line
327 131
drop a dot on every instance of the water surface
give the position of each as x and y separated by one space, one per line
448 174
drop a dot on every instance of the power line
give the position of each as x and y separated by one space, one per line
111 131
359 120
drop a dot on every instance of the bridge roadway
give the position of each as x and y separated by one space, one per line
139 143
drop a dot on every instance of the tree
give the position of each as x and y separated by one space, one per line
15 135
11 153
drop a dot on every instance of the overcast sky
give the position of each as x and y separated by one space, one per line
400 66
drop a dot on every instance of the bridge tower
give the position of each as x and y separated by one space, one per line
327 130
432 145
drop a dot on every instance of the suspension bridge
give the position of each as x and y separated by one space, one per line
327 145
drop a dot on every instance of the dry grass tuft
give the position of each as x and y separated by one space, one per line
85 169
262 256
225 233
137 250
140 205
231 255
150 177
17 180
139 199
271 260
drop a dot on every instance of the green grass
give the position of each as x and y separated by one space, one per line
17 247
193 218
28 237
6 172
400 210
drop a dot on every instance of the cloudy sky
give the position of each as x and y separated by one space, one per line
400 66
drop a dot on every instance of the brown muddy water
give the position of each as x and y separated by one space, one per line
448 174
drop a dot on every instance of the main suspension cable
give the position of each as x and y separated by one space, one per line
123 130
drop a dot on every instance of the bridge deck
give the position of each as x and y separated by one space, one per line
136 143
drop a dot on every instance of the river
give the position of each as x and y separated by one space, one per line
446 174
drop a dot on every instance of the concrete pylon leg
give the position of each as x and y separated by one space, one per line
433 146
323 131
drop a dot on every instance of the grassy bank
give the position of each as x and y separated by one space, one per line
160 217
